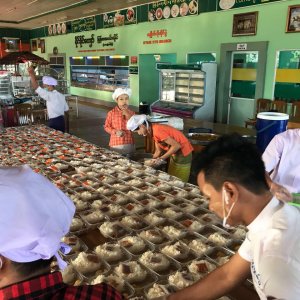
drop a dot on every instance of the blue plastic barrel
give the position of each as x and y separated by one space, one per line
268 124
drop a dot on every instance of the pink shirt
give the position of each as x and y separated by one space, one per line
283 156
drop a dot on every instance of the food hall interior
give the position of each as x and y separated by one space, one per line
205 64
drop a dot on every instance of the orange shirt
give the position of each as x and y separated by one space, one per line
162 132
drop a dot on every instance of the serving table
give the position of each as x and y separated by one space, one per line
118 189
216 128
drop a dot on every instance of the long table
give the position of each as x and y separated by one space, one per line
79 169
217 128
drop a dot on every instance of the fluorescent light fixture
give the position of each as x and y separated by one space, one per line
77 57
117 56
92 57
31 2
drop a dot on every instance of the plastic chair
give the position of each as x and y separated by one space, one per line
279 106
262 104
23 114
200 130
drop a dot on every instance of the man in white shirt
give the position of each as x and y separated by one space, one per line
232 175
282 160
55 101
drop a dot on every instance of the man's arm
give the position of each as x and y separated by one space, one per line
34 82
217 283
279 191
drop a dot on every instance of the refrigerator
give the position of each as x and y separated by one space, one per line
186 91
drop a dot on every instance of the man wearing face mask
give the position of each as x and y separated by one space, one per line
55 101
231 174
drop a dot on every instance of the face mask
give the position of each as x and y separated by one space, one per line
225 200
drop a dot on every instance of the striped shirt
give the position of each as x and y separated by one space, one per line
51 286
115 121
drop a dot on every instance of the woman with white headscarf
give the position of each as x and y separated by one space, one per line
170 143
121 139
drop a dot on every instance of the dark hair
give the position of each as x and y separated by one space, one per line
25 269
232 158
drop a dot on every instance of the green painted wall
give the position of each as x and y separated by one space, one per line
202 33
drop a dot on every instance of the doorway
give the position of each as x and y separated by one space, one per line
241 81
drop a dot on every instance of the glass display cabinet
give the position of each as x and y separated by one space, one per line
187 91
100 72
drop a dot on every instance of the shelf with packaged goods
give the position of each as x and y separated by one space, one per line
100 72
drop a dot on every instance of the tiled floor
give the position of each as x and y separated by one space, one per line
89 124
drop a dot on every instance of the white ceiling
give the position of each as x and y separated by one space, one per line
29 14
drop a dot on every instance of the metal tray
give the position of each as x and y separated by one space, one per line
202 138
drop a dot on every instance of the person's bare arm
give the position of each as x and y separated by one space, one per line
34 82
217 283
174 147
157 151
279 191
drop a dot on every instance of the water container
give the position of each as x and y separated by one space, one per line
269 124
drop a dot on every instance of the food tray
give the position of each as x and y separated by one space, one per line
137 283
184 258
135 248
125 256
92 223
85 271
192 237
161 288
202 138
159 238
118 232
219 255
172 267
209 230
137 224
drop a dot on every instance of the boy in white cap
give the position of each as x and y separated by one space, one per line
34 216
55 101
121 139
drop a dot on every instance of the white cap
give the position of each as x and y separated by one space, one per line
135 121
49 80
34 215
120 91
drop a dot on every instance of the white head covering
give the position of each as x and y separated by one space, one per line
135 121
120 91
49 80
34 215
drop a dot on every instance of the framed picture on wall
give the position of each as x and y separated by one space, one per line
293 19
34 45
42 45
11 44
245 24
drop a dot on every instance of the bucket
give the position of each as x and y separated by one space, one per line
269 124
